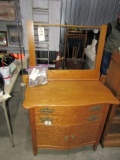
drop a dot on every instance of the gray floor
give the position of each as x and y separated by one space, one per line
23 143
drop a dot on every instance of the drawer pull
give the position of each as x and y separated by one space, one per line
66 138
93 118
95 108
46 119
46 110
73 137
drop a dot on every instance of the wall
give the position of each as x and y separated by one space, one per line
78 12
89 12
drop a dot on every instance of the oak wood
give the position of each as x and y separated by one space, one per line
64 120
111 143
111 134
60 74
66 110
71 94
68 105
68 93
31 45
67 26
52 137
113 76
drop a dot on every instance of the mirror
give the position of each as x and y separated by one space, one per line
77 42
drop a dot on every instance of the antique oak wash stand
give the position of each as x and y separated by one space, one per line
67 114
70 111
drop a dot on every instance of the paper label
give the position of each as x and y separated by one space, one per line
48 123
41 34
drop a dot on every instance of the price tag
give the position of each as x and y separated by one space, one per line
48 123
41 34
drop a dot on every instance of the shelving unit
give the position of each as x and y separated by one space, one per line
111 136
41 15
13 24
42 12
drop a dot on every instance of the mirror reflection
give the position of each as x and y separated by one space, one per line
77 47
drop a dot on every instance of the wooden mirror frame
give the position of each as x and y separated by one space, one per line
69 74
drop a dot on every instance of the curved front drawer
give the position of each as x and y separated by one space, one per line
71 119
69 110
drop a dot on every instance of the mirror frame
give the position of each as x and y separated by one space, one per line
69 74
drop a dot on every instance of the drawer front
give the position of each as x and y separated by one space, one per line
71 119
52 136
57 136
69 110
83 134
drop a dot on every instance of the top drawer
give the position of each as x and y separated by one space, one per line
67 110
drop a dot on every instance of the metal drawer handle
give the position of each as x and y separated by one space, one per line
93 118
66 138
46 119
73 137
95 108
46 110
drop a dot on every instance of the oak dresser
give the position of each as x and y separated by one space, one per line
70 111
67 114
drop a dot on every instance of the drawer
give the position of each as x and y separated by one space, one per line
71 119
69 110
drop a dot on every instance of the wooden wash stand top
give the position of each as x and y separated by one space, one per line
70 111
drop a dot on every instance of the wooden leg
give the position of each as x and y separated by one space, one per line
94 147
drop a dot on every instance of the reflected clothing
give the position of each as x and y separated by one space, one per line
113 39
105 62
112 43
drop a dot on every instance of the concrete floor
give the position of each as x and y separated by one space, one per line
22 138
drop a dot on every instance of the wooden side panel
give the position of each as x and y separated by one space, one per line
111 135
31 44
33 131
113 76
101 127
